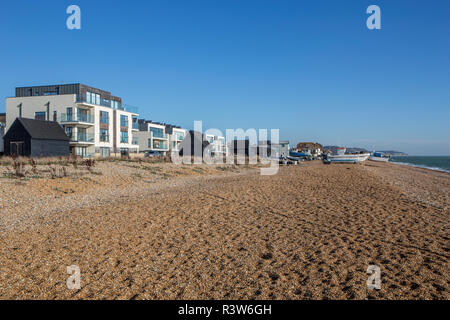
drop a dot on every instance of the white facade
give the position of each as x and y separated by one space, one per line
157 137
218 144
153 138
175 139
281 148
95 130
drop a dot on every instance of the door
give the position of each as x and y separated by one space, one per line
17 148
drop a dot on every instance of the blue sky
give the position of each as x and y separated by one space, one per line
310 68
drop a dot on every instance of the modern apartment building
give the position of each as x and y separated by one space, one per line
160 137
218 144
97 122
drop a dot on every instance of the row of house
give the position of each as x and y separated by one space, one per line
97 123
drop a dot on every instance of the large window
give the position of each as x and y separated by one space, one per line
157 132
124 121
114 104
93 98
104 136
124 137
39 115
104 117
179 135
105 152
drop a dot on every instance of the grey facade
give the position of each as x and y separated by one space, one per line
36 138
193 145
79 89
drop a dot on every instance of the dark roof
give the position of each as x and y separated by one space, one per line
40 129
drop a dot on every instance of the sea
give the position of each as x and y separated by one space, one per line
438 163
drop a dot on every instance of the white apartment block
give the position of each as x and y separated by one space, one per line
159 137
97 122
218 144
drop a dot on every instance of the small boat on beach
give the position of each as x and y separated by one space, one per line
380 157
341 157
300 155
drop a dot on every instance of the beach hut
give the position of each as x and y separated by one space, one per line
36 138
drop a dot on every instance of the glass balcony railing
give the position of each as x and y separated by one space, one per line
135 126
160 146
179 137
87 118
126 107
82 137
159 135
83 98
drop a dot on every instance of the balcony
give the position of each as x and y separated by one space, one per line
135 126
128 108
82 98
77 118
159 135
160 146
82 137
179 137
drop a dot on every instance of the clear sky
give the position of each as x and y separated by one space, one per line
310 68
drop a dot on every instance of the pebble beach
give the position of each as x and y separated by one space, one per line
161 231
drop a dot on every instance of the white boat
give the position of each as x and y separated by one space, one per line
341 157
376 156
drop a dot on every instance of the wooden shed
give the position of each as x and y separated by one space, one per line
36 138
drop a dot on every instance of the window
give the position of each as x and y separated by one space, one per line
55 116
179 135
93 98
105 152
149 143
124 137
104 117
69 131
39 115
104 136
157 132
124 121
